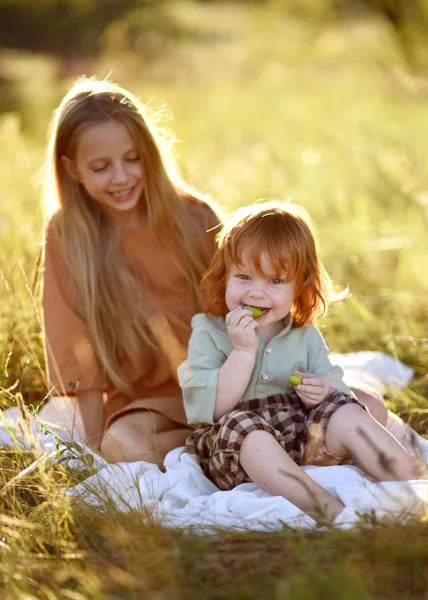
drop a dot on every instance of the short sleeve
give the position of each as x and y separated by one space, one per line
319 362
70 359
198 376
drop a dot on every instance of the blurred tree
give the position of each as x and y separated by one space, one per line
62 27
409 22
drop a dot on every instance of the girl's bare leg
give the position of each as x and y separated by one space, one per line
376 405
372 447
269 466
142 435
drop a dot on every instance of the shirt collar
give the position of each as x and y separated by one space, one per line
288 322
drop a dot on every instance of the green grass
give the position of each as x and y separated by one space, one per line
265 105
55 549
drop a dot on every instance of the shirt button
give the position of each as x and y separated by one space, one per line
265 376
268 350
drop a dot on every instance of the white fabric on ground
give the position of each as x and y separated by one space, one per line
183 497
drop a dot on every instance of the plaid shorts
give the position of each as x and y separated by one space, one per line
300 431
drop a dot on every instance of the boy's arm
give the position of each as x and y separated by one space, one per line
233 379
319 362
235 374
213 379
322 378
198 376
212 384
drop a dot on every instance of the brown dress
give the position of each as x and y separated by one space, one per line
70 358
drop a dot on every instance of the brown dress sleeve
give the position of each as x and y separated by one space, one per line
210 220
70 359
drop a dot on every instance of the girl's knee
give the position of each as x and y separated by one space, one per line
112 448
123 443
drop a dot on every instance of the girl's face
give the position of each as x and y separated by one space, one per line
268 292
108 165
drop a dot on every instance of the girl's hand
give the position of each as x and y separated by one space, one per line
241 328
313 389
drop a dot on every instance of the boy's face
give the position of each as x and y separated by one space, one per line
246 287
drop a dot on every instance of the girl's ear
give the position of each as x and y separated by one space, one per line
70 167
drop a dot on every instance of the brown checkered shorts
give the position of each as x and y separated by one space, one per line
300 431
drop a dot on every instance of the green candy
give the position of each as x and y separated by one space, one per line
257 312
295 379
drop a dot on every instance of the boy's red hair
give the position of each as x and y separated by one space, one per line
284 232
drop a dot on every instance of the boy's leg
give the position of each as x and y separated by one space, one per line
269 466
352 429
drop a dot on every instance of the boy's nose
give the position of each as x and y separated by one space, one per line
257 291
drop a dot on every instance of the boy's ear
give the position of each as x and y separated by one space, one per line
70 167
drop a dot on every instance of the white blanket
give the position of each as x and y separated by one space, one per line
182 496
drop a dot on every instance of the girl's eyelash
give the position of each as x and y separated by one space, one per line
130 159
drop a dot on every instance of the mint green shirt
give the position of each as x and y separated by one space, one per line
300 349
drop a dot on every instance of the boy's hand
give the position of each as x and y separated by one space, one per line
313 389
241 328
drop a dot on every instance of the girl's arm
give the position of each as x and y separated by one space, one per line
70 357
91 406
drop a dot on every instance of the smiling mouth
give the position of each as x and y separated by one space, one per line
122 194
262 308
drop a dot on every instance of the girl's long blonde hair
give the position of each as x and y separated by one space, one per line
109 288
284 232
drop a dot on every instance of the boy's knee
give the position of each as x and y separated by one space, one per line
241 423
376 405
348 414
342 423
254 438
346 418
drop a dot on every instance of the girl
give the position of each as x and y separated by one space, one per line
266 287
124 254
